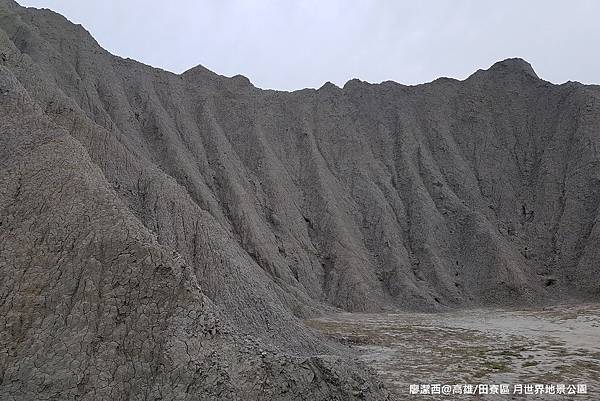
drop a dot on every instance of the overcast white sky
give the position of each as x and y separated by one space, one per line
296 44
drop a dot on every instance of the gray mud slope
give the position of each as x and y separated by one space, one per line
278 205
99 291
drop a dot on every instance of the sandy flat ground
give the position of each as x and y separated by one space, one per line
549 346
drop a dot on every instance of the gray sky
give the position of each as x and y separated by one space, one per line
295 44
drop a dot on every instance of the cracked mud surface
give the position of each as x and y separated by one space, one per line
558 344
164 236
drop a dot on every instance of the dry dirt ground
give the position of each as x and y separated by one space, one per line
553 345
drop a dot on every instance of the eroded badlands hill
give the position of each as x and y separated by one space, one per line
150 222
